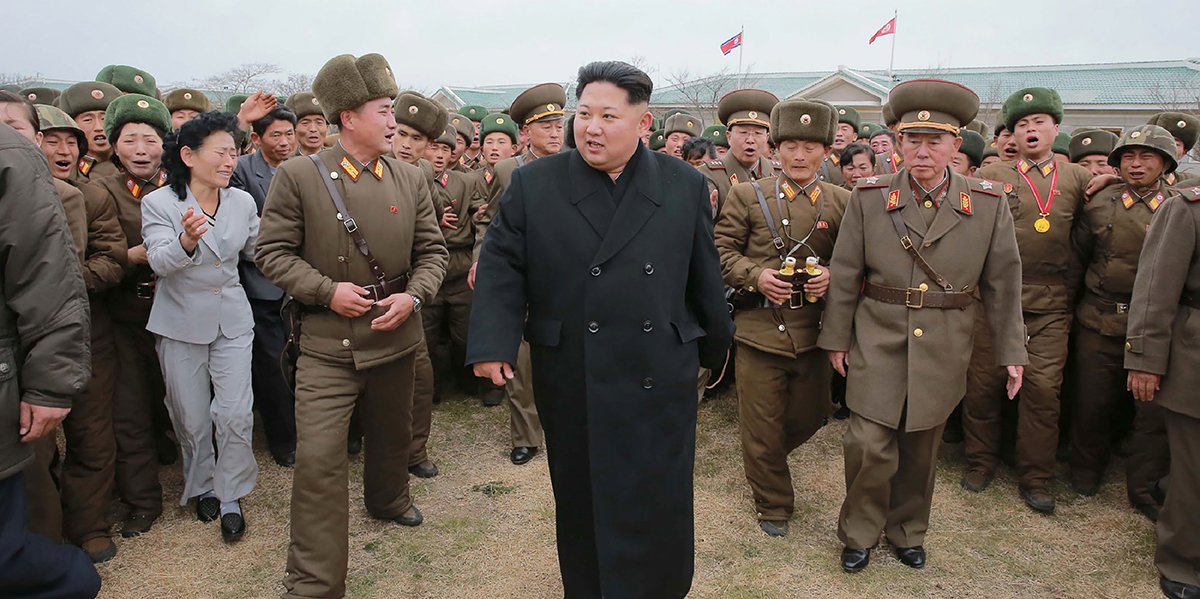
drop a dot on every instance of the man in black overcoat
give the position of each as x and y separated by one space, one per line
603 258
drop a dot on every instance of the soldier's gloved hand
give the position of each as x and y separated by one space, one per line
497 372
818 286
1143 385
840 361
769 284
1016 377
350 300
399 308
37 421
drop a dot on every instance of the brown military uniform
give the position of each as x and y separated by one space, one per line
91 169
139 389
525 425
831 169
1164 324
1046 303
723 174
1108 237
304 248
782 382
908 363
886 164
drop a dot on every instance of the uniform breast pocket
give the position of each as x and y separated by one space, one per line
545 333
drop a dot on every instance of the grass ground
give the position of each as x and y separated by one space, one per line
489 532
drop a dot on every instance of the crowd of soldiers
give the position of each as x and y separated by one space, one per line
781 177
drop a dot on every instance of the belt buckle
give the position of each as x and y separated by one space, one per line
908 298
375 292
350 224
1122 308
145 291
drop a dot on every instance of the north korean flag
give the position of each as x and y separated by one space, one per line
731 43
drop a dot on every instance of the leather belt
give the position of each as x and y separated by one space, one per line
1049 280
388 287
1106 305
917 298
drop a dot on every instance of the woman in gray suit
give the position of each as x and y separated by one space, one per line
196 229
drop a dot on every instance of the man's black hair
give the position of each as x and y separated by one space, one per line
637 84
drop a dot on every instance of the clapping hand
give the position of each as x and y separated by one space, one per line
194 226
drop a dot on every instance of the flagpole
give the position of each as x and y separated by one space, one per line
741 46
892 62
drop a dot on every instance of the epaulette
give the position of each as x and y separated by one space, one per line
1191 193
874 182
985 186
717 164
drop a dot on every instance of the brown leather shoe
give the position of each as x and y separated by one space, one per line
99 549
137 524
1040 500
976 480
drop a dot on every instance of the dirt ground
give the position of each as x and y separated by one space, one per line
489 532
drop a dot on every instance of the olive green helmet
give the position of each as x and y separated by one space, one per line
1147 136
52 117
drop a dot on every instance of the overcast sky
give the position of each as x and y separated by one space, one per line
433 43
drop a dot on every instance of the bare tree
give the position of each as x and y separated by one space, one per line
293 84
642 64
701 94
14 78
242 79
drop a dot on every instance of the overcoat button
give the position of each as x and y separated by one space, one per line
647 326
923 287
4 368
647 383
216 291
918 332
595 271
345 343
649 268
593 327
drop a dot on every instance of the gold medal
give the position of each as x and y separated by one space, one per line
1041 225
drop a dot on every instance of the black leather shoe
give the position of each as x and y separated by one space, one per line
233 526
855 560
841 413
354 446
208 509
425 469
1178 590
412 517
522 455
136 525
287 459
493 397
774 529
1149 510
913 557
1040 500
1157 492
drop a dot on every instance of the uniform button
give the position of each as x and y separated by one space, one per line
216 291
1128 347
595 271
649 268
217 264
647 383
918 332
750 289
593 327
926 244
782 328
341 258
4 368
647 326
923 287
345 343
928 204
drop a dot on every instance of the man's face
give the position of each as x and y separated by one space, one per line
497 146
1141 167
846 135
476 143
1096 164
17 116
926 155
92 123
62 151
1006 145
371 126
439 155
277 143
546 137
181 116
801 159
460 148
140 149
747 143
310 133
675 143
1035 134
1180 150
961 164
881 144
989 160
860 166
409 144
608 127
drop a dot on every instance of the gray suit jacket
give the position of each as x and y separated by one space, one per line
253 175
200 296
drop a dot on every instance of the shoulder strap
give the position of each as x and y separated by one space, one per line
776 240
906 242
347 220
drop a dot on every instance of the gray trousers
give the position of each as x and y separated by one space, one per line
208 386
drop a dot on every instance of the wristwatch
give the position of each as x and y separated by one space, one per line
416 303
